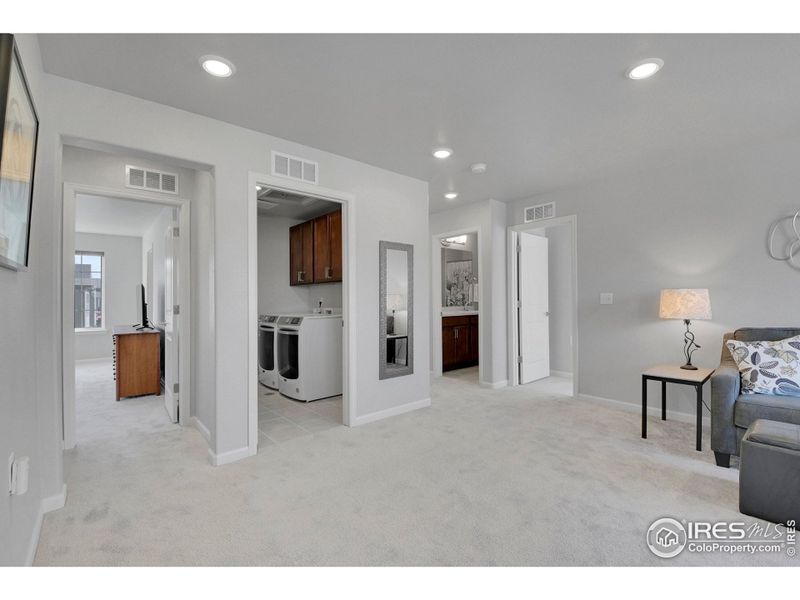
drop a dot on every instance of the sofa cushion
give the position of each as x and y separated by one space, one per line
768 367
751 407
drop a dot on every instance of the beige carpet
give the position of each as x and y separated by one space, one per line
507 477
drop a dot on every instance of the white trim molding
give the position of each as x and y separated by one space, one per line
494 385
200 426
652 411
48 504
391 412
230 456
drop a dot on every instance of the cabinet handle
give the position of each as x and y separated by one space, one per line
328 272
456 333
301 276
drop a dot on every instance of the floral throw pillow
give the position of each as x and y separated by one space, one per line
768 367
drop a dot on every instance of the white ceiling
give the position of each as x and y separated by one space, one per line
97 214
544 111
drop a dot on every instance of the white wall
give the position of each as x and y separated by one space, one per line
489 218
122 271
155 238
29 421
680 224
275 295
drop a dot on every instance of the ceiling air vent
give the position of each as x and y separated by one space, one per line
300 169
540 212
150 179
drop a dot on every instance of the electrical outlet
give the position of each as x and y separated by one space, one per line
606 298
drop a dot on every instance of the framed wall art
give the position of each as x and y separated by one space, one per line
20 130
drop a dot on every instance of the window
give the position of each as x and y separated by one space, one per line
89 291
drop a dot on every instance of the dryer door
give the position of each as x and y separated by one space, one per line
288 364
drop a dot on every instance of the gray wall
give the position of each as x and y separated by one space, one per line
678 224
275 295
122 270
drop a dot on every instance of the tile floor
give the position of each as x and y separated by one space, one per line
281 419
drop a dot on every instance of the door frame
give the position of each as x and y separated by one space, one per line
69 193
436 301
349 361
514 232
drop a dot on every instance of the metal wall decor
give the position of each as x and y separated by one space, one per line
791 253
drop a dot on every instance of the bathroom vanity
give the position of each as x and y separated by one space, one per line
459 339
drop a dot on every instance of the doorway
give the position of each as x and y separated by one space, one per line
301 250
457 326
542 292
106 269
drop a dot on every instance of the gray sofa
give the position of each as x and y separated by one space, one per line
733 412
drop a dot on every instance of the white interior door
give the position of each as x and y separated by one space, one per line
534 310
171 316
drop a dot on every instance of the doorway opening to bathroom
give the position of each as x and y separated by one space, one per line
457 325
299 291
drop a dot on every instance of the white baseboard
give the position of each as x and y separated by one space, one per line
566 374
46 505
198 424
230 456
496 385
652 411
390 412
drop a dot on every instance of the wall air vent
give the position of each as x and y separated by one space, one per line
151 180
300 169
540 212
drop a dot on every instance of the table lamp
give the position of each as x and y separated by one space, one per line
687 305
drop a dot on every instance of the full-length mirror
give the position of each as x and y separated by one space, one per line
396 312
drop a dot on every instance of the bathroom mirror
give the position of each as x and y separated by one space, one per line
396 309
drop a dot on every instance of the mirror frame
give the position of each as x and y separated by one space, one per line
383 371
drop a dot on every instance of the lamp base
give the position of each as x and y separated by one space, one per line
689 367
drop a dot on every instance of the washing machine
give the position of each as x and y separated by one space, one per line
267 355
310 356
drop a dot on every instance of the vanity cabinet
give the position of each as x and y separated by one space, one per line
315 250
459 341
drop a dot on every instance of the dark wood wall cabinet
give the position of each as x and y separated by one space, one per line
315 250
459 342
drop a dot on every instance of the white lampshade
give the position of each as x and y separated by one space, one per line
395 302
685 304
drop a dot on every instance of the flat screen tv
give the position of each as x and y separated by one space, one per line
141 307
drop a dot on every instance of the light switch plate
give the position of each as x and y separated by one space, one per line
606 298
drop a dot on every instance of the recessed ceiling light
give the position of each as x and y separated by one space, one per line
646 68
217 66
442 152
451 195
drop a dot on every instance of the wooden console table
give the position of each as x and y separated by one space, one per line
137 361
